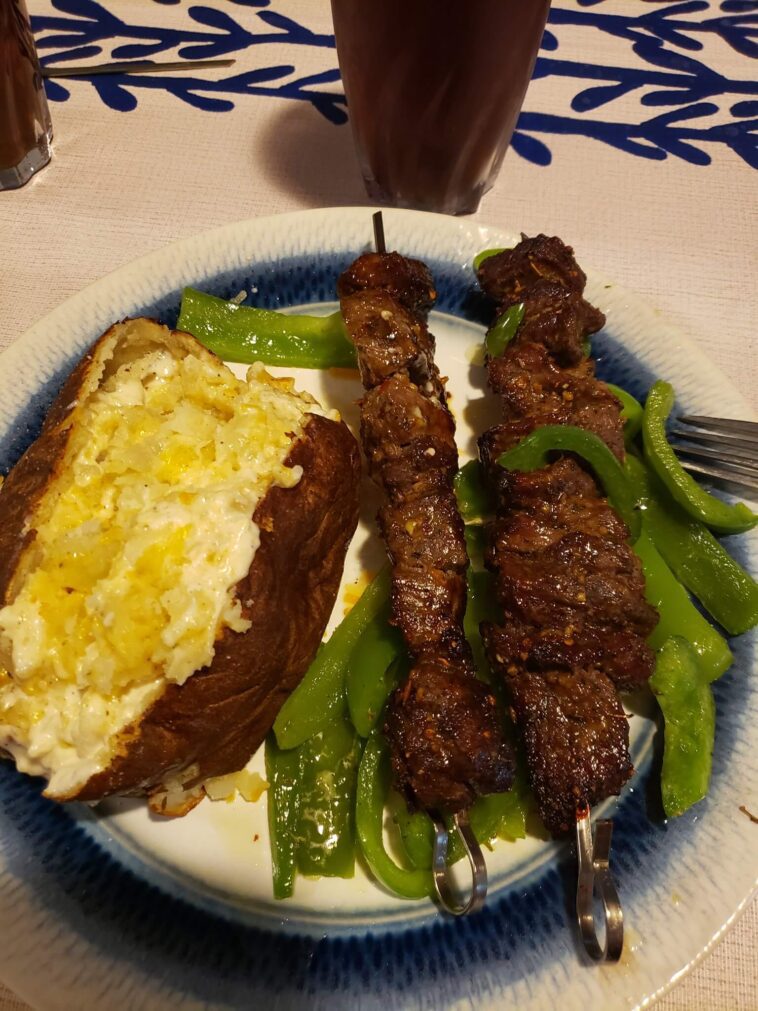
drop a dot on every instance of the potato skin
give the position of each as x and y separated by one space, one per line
220 716
29 478
216 720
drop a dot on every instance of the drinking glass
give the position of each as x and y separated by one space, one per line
434 88
25 127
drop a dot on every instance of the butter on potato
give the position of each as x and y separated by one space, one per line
134 549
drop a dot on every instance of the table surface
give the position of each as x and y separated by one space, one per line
643 159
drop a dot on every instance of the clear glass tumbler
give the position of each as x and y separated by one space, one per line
434 88
25 127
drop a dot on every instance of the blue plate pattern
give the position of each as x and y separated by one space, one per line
121 929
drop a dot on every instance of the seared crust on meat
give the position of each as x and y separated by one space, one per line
408 281
575 620
507 275
572 725
390 339
442 725
534 386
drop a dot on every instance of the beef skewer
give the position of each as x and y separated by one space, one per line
575 620
442 724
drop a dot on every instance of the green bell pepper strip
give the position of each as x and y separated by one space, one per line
515 808
283 799
697 559
495 816
329 770
689 714
485 255
480 606
240 333
416 833
532 453
320 696
714 512
474 498
373 787
678 616
503 330
631 412
373 672
474 534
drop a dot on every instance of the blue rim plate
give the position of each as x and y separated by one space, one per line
112 908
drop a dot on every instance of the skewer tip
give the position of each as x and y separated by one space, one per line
379 241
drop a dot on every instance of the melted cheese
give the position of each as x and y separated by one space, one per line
139 545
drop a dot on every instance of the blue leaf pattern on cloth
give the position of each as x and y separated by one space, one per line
665 41
530 148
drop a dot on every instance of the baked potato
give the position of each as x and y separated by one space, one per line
171 547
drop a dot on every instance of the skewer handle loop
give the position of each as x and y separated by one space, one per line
448 899
594 853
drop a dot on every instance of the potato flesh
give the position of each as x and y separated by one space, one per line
138 548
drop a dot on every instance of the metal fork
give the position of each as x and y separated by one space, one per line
720 449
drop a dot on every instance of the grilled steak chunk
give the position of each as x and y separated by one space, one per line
445 733
558 319
407 281
390 340
534 387
576 738
575 620
507 275
442 725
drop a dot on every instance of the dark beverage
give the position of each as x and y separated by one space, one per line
434 88
25 129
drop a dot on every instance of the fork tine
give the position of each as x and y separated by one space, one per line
741 461
747 429
723 474
734 443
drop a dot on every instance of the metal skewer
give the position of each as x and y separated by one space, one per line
593 852
446 892
441 872
379 244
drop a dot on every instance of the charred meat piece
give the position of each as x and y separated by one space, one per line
576 602
618 653
533 386
559 320
444 730
391 340
576 739
399 413
443 724
428 608
575 619
506 276
407 281
417 534
557 585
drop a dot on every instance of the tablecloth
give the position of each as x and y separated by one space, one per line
637 144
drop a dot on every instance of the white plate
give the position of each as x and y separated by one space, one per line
129 910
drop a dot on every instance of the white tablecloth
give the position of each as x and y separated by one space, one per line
650 176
